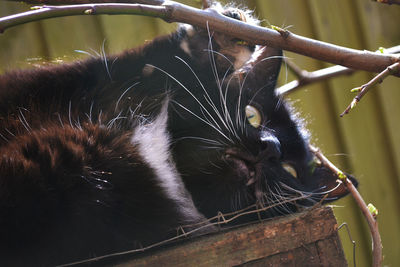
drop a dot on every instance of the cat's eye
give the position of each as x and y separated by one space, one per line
253 116
241 42
289 168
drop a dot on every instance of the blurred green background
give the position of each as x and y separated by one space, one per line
365 143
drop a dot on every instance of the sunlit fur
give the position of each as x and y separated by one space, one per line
116 152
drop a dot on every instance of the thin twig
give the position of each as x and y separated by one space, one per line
365 88
372 223
389 2
351 240
304 77
172 11
311 77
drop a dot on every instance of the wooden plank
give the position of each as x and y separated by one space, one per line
364 130
327 252
310 235
305 254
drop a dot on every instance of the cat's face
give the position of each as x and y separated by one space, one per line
236 143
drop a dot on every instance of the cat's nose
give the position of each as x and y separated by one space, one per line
270 146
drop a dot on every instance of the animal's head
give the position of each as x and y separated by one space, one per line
236 142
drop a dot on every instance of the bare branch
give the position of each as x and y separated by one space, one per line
78 2
389 2
365 88
305 77
372 223
311 77
175 12
44 12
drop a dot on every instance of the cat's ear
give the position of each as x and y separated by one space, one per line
263 69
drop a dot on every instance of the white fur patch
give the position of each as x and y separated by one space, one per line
153 141
188 29
185 47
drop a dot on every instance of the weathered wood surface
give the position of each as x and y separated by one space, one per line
305 239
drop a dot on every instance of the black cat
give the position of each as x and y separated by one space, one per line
101 155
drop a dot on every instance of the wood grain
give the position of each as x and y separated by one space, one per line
305 239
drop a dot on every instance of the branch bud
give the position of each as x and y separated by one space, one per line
356 90
373 210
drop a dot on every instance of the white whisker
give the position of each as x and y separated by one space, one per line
60 120
4 138
90 112
23 120
206 122
205 140
192 95
207 96
103 55
111 123
9 132
122 95
69 114
227 121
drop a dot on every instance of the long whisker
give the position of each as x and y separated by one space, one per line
5 139
252 67
205 140
122 95
23 120
230 127
214 69
206 122
69 114
207 96
211 56
103 55
9 132
191 94
111 123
